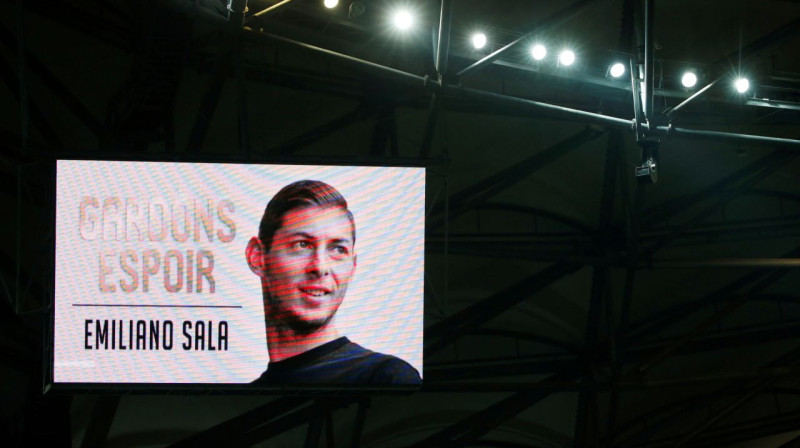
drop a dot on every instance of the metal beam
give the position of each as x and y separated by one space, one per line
481 191
28 106
548 24
61 91
732 137
361 417
599 297
384 131
649 52
476 425
671 112
286 422
314 430
272 8
92 21
707 323
220 434
443 43
548 110
747 263
444 332
440 64
663 318
662 212
295 144
720 201
209 103
376 69
103 413
488 369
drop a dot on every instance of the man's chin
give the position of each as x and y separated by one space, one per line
304 326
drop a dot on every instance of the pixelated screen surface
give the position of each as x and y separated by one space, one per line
153 285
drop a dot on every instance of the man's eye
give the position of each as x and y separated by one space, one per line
302 245
340 251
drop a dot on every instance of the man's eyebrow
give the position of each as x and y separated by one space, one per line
305 235
342 240
309 236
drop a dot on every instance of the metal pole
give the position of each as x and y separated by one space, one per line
557 111
236 10
727 136
271 8
670 113
398 75
637 100
443 46
23 84
552 22
749 263
649 81
440 62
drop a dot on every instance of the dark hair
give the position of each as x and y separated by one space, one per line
303 193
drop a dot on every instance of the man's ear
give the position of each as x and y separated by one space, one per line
255 256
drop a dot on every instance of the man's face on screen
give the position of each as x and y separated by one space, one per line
309 266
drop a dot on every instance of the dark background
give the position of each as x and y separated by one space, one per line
568 303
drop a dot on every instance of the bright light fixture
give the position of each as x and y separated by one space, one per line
566 57
538 52
742 85
617 70
689 80
331 3
478 40
403 20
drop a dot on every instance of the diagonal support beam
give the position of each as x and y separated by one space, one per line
220 434
600 296
37 117
61 91
480 192
707 323
446 331
720 201
655 322
662 212
359 113
289 421
209 103
102 417
470 429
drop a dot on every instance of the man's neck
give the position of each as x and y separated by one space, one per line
283 342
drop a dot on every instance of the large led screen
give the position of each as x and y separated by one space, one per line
182 273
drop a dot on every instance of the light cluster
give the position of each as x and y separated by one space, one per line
403 20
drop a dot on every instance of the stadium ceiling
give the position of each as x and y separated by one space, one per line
610 262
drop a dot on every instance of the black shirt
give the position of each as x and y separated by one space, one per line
340 362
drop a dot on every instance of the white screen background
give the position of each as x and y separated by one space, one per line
383 309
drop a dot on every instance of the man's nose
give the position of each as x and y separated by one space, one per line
319 264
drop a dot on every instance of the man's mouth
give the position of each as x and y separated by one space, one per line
315 291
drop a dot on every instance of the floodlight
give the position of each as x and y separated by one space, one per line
331 3
742 85
402 19
538 52
566 58
689 80
478 40
617 70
